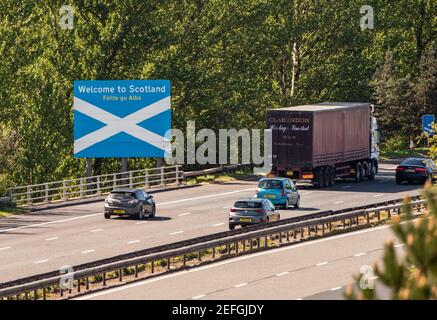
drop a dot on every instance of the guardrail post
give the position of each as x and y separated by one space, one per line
81 188
177 175
114 180
99 192
130 179
146 178
29 202
152 267
46 192
162 177
64 191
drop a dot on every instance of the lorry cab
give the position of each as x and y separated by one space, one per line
280 191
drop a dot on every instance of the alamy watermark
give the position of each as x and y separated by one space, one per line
67 17
368 20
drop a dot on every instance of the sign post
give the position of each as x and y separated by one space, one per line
427 125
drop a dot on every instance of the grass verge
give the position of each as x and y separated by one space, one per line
10 211
406 153
219 178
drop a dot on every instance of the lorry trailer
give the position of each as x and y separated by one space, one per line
325 141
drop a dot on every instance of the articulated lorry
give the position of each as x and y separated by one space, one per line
325 141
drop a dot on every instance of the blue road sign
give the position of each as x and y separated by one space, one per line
121 118
427 123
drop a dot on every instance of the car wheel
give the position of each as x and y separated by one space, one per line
141 214
231 227
152 214
107 216
286 204
297 204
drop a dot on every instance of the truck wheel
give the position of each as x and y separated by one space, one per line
322 178
372 171
358 172
328 177
332 177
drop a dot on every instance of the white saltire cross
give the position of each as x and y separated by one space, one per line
115 124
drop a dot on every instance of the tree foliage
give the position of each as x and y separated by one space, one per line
228 62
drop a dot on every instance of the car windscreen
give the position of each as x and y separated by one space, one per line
270 184
122 195
414 162
248 204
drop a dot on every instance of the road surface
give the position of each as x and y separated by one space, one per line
50 239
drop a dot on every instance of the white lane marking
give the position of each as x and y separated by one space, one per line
88 251
51 239
218 224
359 254
41 261
299 299
204 197
382 181
399 245
322 264
198 297
228 207
133 241
184 214
96 230
219 264
50 222
339 202
141 222
240 285
5 248
305 193
335 289
378 195
346 187
177 232
282 274
97 214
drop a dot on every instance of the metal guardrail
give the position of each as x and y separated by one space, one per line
80 188
170 257
95 186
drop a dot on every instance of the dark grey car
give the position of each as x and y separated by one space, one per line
248 211
129 202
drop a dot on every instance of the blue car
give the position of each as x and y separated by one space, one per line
280 191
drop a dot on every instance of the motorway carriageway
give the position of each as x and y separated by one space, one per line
49 239
318 269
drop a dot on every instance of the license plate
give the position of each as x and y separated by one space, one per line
245 220
409 170
270 196
289 173
119 211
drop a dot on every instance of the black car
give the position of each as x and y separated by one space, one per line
416 170
129 202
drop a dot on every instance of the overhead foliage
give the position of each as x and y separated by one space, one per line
228 62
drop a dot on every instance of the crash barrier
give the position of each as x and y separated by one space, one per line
189 253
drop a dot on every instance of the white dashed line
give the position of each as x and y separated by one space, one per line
335 289
299 299
218 224
133 241
399 245
184 214
96 230
322 264
87 251
198 297
240 285
141 222
359 254
228 207
346 187
382 181
41 261
177 232
4 248
305 193
51 239
339 202
378 195
282 274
